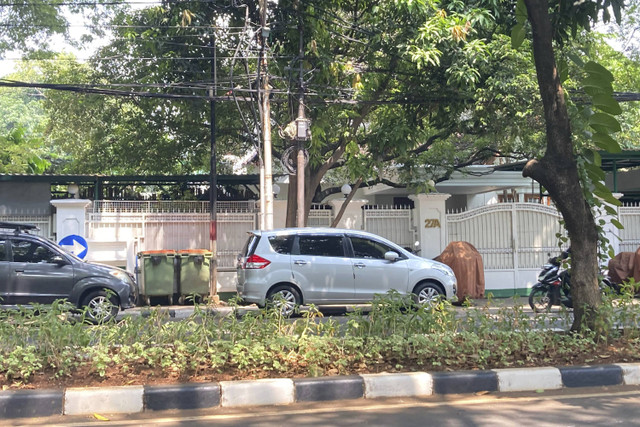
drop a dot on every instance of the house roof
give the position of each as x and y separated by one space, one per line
610 161
129 179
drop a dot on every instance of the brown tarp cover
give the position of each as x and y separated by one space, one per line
466 263
625 265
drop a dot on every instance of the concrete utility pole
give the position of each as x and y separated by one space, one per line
213 181
302 130
267 195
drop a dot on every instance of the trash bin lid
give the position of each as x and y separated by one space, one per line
157 252
188 252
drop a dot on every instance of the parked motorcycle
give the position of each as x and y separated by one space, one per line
554 285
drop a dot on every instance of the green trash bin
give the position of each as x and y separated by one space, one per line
195 271
157 274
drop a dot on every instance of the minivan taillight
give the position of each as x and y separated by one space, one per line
255 262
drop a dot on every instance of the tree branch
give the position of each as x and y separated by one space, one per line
343 208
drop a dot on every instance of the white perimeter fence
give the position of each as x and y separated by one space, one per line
510 236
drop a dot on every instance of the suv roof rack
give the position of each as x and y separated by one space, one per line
18 227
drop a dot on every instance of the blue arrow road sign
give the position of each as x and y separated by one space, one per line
75 244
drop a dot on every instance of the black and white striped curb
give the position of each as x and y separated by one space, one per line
282 391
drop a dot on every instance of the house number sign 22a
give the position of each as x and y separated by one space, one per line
431 223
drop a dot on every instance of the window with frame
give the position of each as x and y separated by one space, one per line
321 246
3 250
31 252
281 244
369 249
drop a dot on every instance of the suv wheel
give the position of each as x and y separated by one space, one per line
285 299
100 307
427 294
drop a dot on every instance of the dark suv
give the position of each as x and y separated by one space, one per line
36 270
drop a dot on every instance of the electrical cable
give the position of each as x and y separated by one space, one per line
109 3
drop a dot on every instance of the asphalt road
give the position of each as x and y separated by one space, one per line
603 406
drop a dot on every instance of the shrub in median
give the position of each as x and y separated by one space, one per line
46 343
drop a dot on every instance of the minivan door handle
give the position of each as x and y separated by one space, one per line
359 265
300 262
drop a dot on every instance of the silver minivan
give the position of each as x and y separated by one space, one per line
324 266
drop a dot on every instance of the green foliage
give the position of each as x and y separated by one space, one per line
29 24
19 154
432 86
597 84
121 135
395 335
518 33
626 75
22 107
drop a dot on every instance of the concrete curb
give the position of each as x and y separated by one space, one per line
282 391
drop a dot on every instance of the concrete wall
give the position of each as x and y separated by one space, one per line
626 180
25 198
482 199
457 202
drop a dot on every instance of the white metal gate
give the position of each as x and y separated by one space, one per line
509 236
319 216
392 223
173 225
630 234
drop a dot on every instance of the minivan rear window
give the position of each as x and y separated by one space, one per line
282 244
250 245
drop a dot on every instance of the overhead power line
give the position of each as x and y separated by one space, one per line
400 100
92 89
116 58
106 3
102 26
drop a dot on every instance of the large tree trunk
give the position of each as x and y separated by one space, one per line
557 172
292 202
313 177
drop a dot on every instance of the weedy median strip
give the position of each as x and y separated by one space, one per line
394 336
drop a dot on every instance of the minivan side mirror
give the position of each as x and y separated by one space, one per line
391 256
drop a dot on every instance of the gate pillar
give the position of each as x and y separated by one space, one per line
70 217
431 223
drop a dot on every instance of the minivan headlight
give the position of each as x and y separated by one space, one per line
444 270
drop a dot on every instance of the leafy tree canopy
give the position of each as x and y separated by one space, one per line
30 25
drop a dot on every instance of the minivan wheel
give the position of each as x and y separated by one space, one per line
100 307
427 294
285 299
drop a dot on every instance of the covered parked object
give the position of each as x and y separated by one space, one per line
624 266
466 262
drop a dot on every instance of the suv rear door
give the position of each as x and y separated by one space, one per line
33 274
322 269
